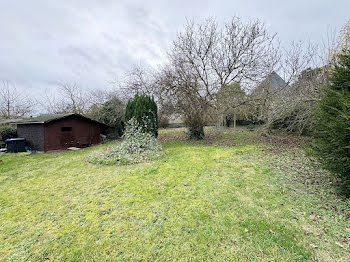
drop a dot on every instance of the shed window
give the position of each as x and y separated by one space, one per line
66 129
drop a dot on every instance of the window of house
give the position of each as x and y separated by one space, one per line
66 129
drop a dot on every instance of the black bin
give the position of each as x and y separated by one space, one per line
15 145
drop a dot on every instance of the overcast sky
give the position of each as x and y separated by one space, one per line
92 42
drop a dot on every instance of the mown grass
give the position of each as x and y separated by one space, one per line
204 201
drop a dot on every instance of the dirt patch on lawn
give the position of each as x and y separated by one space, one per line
282 141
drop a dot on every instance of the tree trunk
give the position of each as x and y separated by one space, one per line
234 121
196 132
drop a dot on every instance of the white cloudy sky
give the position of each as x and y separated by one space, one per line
92 42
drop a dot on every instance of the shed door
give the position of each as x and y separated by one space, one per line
66 137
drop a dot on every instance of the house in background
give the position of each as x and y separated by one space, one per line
273 85
269 92
60 131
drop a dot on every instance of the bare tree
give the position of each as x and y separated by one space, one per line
71 98
74 99
282 104
306 71
137 80
14 103
229 99
205 58
293 109
140 80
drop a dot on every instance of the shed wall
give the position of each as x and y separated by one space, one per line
82 132
34 135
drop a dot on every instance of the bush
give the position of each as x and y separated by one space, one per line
144 110
332 121
138 146
7 132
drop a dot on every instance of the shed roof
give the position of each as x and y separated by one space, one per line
44 118
47 118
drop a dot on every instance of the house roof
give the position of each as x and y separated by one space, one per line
47 118
273 82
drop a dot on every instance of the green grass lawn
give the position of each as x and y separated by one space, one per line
232 197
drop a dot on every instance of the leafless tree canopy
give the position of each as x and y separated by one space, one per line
74 99
293 109
216 56
13 103
137 80
71 98
206 57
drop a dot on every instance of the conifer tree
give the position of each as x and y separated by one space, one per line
332 125
144 110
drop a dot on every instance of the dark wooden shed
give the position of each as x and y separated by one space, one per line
54 132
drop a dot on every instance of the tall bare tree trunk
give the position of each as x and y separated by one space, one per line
234 121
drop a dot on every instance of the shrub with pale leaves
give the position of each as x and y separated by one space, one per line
138 146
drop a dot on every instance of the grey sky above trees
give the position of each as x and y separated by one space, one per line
92 43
